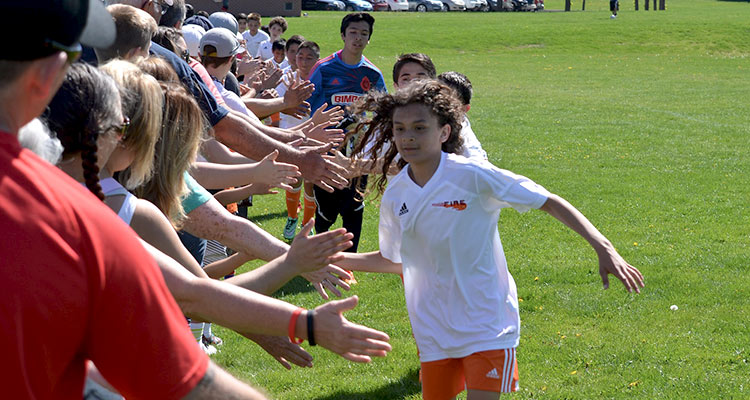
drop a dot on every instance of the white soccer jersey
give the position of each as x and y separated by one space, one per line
252 43
287 121
459 293
472 147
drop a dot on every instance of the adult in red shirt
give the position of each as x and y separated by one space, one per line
73 275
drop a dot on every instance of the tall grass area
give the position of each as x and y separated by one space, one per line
643 123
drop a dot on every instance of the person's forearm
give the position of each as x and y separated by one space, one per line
205 299
265 107
282 135
250 140
218 269
220 176
212 221
267 278
369 262
219 384
216 152
160 234
566 213
229 196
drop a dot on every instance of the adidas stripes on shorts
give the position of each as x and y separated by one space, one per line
491 370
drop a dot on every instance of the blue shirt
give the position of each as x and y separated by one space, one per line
338 83
212 110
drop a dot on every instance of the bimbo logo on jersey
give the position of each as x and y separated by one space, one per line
459 205
345 98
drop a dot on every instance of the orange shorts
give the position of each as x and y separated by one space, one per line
491 370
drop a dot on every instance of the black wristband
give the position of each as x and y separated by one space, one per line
310 328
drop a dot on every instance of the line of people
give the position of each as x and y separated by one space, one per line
160 120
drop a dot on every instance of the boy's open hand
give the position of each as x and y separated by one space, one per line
611 262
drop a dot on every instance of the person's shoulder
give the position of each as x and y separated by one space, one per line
459 164
369 64
323 63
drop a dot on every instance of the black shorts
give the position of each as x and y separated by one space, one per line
347 202
614 5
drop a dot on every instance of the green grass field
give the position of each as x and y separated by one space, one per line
642 123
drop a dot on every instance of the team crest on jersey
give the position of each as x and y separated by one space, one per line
459 205
345 98
335 81
365 84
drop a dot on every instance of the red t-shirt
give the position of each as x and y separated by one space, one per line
76 284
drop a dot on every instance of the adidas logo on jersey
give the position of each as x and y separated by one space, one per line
403 210
493 374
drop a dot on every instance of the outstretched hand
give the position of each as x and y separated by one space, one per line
328 278
310 253
281 349
324 173
611 262
323 133
354 342
329 117
275 173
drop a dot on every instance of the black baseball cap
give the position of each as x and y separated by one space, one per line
49 26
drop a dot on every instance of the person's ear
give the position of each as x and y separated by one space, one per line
445 133
467 108
46 75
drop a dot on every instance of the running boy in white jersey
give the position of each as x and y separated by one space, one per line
438 225
419 66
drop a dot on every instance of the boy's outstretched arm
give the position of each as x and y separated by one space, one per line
368 262
610 262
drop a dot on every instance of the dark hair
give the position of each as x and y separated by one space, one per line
460 83
211 61
264 28
310 45
379 129
416 58
295 39
168 38
189 11
280 21
174 14
240 16
357 17
86 106
279 44
202 13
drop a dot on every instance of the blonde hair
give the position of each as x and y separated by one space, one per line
183 126
142 102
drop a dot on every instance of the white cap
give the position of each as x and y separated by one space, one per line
193 34
223 40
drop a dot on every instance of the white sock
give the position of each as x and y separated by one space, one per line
207 330
197 329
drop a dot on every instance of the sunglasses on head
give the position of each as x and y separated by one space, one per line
160 4
73 52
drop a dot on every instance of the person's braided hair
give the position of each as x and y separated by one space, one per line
86 106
